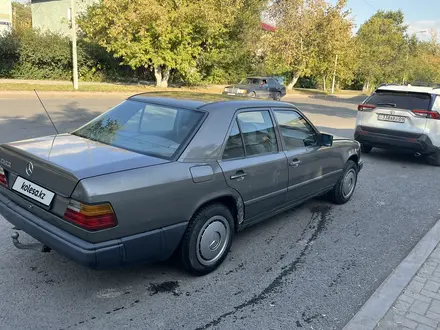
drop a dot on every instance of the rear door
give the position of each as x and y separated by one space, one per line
253 163
396 111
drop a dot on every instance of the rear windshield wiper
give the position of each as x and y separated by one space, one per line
393 105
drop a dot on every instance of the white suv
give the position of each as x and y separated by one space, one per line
403 118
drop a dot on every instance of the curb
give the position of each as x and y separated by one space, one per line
384 297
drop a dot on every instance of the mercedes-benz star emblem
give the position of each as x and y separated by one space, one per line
29 168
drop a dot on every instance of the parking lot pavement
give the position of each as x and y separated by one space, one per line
309 268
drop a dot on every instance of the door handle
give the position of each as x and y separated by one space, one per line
295 162
239 175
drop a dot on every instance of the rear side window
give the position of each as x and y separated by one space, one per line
258 132
400 100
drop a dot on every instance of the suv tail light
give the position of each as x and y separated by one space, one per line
366 107
427 114
3 178
91 217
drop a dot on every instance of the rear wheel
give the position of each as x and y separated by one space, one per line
365 148
253 95
344 188
277 96
434 159
207 239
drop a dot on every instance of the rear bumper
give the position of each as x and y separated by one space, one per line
150 246
394 140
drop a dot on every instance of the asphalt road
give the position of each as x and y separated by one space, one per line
309 268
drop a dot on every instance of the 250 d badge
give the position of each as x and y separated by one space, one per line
5 163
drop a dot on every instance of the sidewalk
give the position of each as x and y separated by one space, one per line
418 307
410 297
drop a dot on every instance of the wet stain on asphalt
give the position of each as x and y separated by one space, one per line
320 214
298 324
309 319
236 269
164 287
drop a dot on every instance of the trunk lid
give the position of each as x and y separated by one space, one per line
393 111
60 161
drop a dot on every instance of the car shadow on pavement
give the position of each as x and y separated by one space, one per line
334 111
353 100
67 119
404 158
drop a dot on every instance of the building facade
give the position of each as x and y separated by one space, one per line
5 16
54 15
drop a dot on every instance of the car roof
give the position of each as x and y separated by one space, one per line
410 88
209 102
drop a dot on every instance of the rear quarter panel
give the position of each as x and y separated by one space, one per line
153 197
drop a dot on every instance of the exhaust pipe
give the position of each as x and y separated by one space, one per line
417 154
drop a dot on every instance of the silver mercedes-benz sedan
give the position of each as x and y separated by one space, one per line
169 173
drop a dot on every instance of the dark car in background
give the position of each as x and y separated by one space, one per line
170 173
258 87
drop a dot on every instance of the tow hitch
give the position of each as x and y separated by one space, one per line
32 246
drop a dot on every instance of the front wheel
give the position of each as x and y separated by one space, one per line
344 188
207 239
277 96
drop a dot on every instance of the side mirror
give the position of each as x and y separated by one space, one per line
326 140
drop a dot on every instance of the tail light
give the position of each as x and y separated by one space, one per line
3 178
366 107
91 217
427 114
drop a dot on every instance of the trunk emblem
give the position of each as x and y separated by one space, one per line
29 168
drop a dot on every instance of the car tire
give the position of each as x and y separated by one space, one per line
277 96
252 95
207 239
434 159
365 148
344 188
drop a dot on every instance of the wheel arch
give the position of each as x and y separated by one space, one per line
233 202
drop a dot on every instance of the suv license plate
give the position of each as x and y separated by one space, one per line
395 119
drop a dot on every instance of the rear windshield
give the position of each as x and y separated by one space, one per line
144 128
401 100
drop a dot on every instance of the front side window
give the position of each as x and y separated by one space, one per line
144 128
295 130
258 132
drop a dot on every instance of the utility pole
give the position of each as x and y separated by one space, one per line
74 51
334 74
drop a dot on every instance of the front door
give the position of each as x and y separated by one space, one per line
253 163
310 165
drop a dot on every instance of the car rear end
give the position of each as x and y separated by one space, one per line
86 194
397 118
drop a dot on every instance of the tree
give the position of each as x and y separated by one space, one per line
383 48
424 64
163 35
309 35
21 16
336 52
292 48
